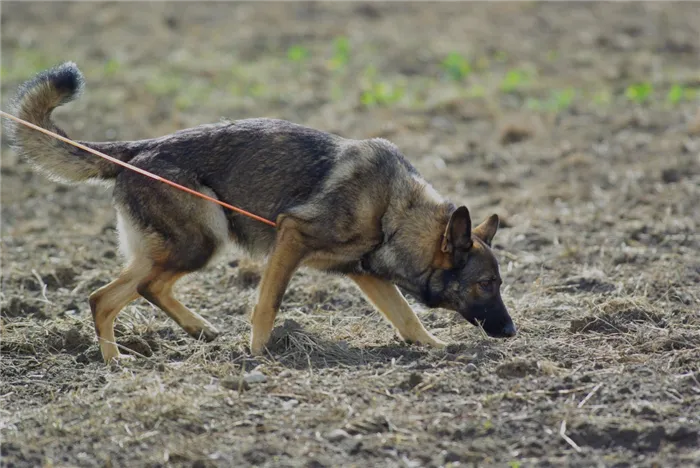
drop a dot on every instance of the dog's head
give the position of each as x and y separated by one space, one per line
464 275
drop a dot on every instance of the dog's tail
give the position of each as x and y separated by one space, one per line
35 101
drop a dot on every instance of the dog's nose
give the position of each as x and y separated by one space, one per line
509 330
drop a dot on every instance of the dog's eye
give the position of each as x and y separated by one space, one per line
485 284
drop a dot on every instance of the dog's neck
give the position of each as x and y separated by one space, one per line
412 226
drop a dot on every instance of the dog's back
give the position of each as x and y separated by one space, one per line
266 166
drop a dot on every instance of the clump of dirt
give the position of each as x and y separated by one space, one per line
516 128
62 277
642 438
676 341
364 425
515 133
618 316
248 276
671 175
17 347
519 368
72 340
92 354
413 380
585 283
18 307
136 344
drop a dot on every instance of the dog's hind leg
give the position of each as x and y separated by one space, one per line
167 234
158 290
154 285
390 302
109 300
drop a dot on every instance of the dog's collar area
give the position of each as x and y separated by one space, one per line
364 264
426 293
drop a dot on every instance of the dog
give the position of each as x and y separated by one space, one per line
357 208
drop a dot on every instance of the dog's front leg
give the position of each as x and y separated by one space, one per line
390 302
286 256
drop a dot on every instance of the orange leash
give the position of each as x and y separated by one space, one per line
136 169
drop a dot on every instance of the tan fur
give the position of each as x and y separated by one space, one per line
487 229
441 259
160 293
108 301
390 302
284 260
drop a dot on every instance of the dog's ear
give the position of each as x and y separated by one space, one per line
486 230
457 236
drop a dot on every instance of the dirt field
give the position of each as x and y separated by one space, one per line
577 123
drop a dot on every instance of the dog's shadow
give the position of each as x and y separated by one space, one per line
293 347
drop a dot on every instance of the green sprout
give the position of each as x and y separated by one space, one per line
341 54
500 56
562 99
559 100
679 93
111 67
513 80
675 94
379 93
639 92
297 53
456 66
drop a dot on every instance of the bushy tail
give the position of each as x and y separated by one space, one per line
35 101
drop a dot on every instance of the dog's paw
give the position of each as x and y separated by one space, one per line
110 352
257 344
119 359
427 340
204 333
435 343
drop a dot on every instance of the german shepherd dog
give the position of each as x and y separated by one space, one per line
352 207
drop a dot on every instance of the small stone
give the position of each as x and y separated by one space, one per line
337 435
248 277
670 175
289 404
452 457
235 383
688 146
254 377
471 367
643 408
684 436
